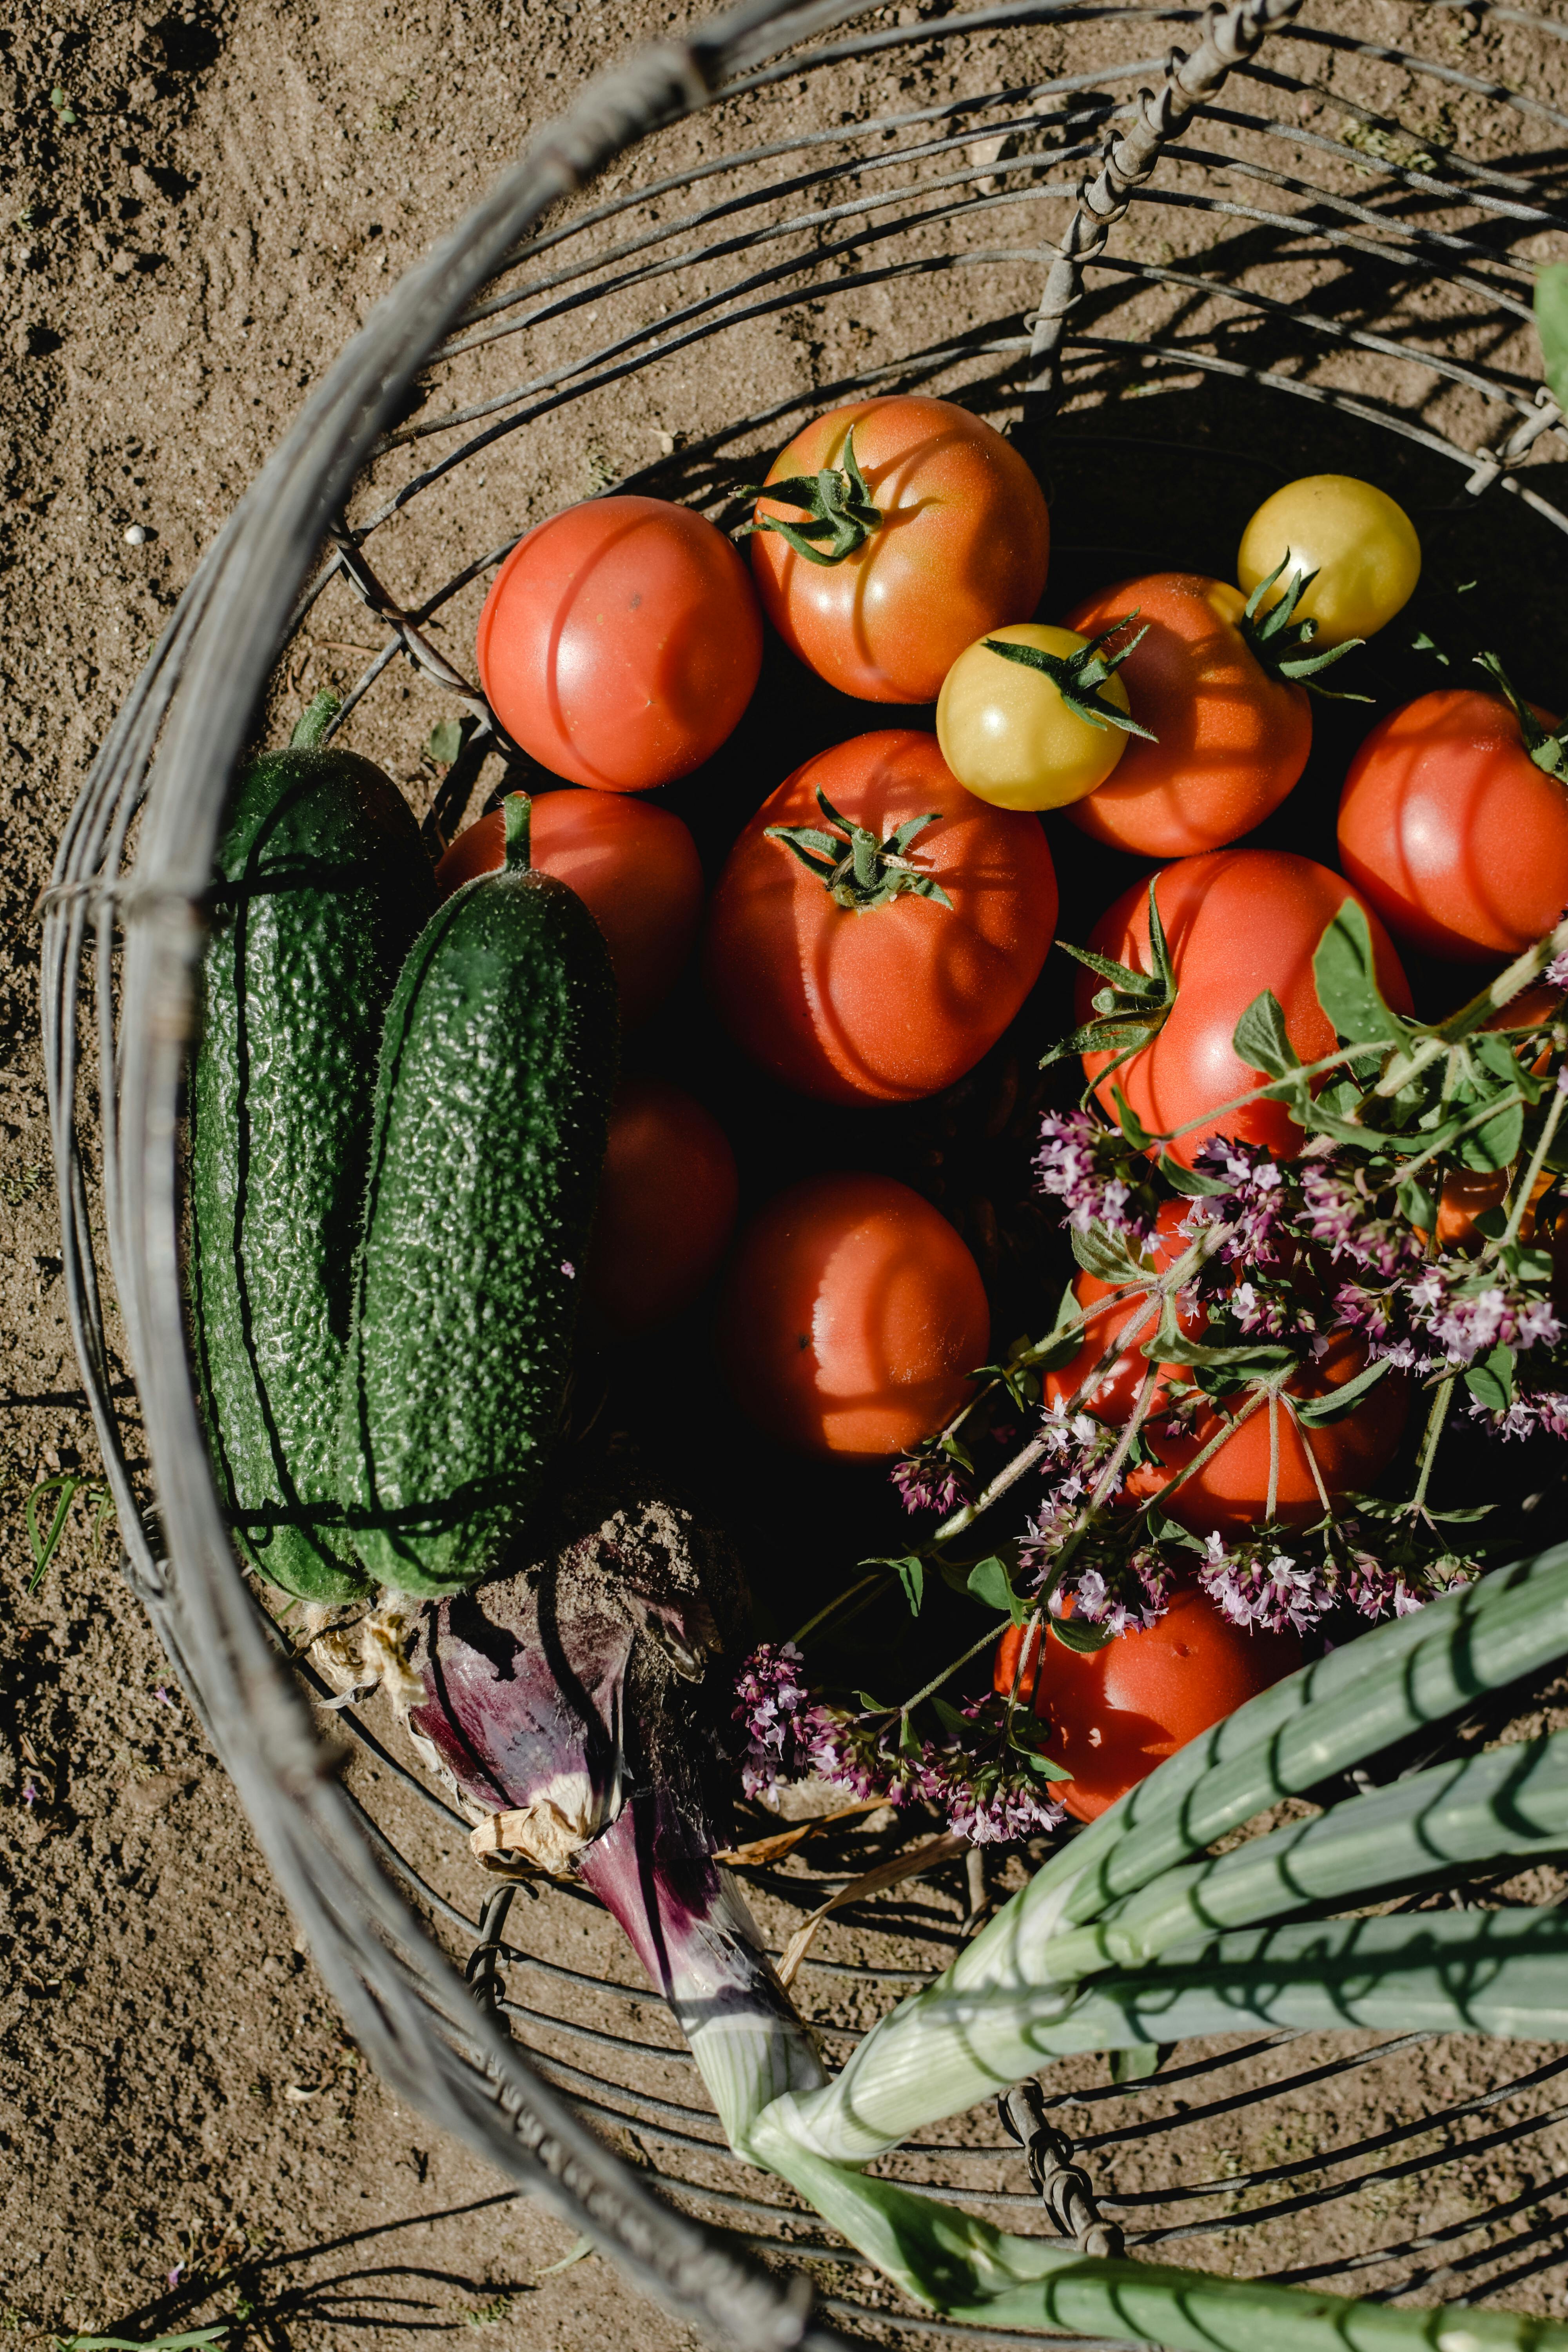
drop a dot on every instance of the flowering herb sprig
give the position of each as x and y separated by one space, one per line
1417 1224
988 1775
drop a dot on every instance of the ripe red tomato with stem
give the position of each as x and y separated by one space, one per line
851 1318
934 531
634 865
620 642
1236 921
1229 1492
668 1197
1117 1712
1233 732
1453 831
887 982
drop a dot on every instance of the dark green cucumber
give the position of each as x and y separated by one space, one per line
323 885
497 1066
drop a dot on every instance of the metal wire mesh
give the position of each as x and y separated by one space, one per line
1275 236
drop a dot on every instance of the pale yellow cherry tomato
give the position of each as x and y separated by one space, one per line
1362 546
1007 734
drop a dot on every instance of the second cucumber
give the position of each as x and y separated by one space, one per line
498 1064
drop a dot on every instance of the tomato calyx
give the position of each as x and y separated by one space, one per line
1130 1010
857 870
1079 677
838 500
1278 642
1548 752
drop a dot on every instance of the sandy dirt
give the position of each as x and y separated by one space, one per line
204 207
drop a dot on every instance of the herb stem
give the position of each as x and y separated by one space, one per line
1489 1109
1537 1161
1121 1343
1230 1425
1268 1091
1305 1434
948 1671
1435 1421
838 1601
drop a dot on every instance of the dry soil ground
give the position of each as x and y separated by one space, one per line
203 203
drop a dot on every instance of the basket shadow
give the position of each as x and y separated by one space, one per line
262 2297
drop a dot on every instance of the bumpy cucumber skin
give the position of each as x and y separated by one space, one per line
498 1063
323 887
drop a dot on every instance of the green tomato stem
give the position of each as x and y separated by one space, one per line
519 816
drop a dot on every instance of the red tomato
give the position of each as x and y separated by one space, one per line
1232 740
962 547
1236 921
667 1206
635 867
893 1002
1117 1712
620 642
852 1318
1230 1493
1455 835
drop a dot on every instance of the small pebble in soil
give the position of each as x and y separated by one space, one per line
135 535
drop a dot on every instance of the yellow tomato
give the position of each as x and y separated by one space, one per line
1007 732
1362 546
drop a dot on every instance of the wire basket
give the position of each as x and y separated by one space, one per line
1308 249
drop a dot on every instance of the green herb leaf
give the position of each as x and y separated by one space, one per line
1490 1382
912 1577
1131 1126
1028 1735
1496 1142
1261 1039
1318 1413
1106 1255
1417 1204
989 1583
1345 970
1084 1639
445 742
1188 1179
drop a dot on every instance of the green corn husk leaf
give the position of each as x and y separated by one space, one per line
1551 326
962 2266
1425 1828
955 2043
1500 1972
980 2025
1367 1696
